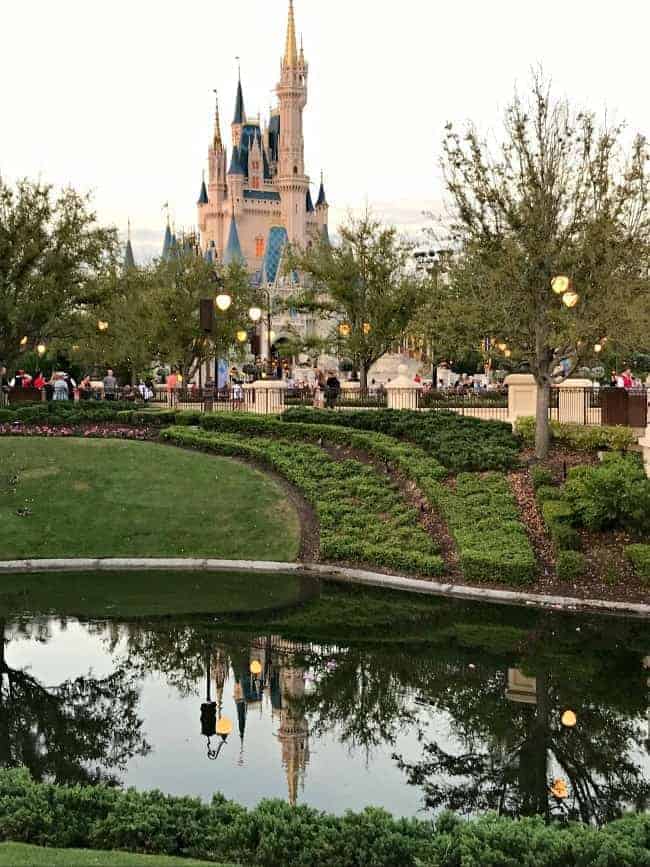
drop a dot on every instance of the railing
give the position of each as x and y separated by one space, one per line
371 398
479 404
201 399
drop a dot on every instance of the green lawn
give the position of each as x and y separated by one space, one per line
154 594
110 498
22 855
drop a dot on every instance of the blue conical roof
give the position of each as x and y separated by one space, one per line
310 203
239 105
236 167
167 243
325 235
129 261
322 199
233 248
203 195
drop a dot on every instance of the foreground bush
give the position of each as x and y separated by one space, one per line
639 556
580 437
458 442
362 515
277 835
611 495
61 412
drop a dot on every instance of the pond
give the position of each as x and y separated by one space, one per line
355 698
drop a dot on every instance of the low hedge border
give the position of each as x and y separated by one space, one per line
580 437
481 512
58 412
362 516
274 834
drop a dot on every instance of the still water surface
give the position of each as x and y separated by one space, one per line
467 714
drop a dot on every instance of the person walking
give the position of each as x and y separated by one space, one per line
332 390
110 385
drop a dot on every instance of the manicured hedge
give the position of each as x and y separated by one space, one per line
492 541
68 412
362 515
275 834
460 443
580 437
571 565
481 512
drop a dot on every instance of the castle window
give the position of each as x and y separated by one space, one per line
295 170
255 183
259 247
256 166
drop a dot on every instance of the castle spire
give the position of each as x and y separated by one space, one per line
203 195
322 198
240 114
291 47
233 248
217 141
129 260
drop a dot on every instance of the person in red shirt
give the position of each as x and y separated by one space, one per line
39 381
628 382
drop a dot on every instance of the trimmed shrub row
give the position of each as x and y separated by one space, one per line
495 549
362 516
277 835
64 412
580 437
460 443
484 521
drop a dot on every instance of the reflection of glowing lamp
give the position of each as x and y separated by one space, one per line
224 727
223 302
41 349
560 285
570 299
255 314
24 340
241 336
559 790
367 328
256 667
344 329
569 719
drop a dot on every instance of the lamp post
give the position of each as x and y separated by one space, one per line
222 302
210 725
255 314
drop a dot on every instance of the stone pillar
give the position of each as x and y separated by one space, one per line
265 397
522 396
572 405
402 392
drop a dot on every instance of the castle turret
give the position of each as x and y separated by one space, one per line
233 252
255 164
217 162
293 733
293 184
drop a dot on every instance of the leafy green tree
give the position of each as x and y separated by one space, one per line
561 195
52 252
365 284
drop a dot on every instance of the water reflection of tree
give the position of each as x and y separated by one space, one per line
507 749
60 732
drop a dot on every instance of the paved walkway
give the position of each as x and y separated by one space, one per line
329 573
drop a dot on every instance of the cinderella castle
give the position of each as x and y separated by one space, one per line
258 197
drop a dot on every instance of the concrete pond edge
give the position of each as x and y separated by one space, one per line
328 572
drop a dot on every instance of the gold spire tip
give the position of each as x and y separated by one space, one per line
291 48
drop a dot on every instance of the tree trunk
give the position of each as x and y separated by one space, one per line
542 430
363 376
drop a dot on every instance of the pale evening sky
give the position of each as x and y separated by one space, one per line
117 97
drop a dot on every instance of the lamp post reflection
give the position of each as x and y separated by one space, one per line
212 724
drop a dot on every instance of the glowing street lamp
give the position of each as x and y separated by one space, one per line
224 728
561 284
256 668
255 314
41 349
102 326
598 348
24 341
570 299
367 328
223 302
344 329
241 336
569 719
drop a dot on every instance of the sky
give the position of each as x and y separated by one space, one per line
116 98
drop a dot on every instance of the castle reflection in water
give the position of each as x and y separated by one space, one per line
266 676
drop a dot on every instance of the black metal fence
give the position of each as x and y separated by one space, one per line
201 399
371 398
480 404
